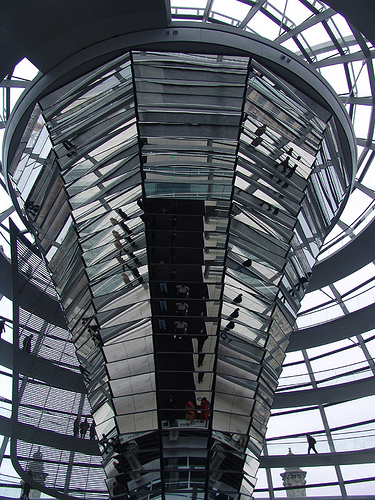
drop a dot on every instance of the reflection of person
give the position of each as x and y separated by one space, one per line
180 327
92 431
83 428
115 444
311 442
202 337
172 256
125 278
204 407
190 411
238 299
117 236
122 214
235 313
171 410
2 326
182 291
76 427
126 228
163 305
172 239
26 343
228 327
182 308
173 223
162 324
201 357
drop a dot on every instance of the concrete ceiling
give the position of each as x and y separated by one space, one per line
49 32
360 13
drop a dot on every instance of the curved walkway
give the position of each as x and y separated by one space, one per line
355 255
42 369
45 307
340 458
31 434
325 395
352 324
43 437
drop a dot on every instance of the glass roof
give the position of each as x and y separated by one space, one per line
325 40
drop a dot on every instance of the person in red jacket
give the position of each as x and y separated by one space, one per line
204 407
190 412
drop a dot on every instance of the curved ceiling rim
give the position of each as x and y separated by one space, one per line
190 37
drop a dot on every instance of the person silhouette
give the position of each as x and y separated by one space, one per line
238 299
235 313
83 428
311 441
